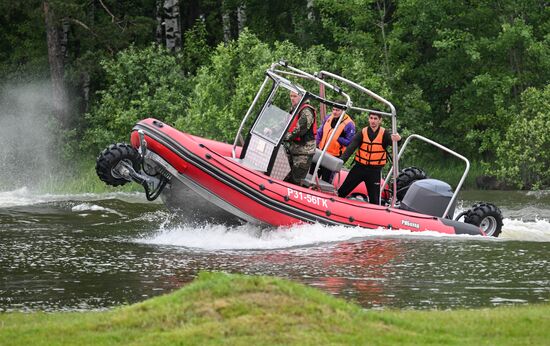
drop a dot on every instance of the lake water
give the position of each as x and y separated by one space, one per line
95 252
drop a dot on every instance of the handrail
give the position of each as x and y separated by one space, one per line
299 72
274 73
233 150
442 147
321 82
394 125
276 76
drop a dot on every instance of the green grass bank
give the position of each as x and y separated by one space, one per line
220 308
80 177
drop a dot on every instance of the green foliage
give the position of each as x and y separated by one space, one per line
196 52
454 70
441 166
108 25
23 52
141 83
217 98
282 20
224 88
524 154
349 23
472 61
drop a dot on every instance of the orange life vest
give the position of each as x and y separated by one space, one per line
334 147
372 153
295 122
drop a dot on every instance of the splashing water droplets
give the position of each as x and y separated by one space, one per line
28 152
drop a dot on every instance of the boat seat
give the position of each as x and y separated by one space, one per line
329 162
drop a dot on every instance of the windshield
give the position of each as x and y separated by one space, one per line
274 119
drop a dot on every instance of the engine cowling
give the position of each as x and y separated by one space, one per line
429 196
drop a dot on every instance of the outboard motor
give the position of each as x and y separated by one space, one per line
429 196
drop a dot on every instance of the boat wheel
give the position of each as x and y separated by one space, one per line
487 216
406 177
109 158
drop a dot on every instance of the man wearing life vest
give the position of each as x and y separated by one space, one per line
300 139
370 158
342 137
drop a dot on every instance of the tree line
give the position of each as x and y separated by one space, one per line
473 75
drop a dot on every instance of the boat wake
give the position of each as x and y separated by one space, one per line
167 229
538 230
248 237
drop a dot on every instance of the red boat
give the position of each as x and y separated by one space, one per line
210 180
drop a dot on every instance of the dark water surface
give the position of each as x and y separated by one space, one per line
88 252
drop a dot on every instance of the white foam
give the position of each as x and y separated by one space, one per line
93 207
538 230
24 197
499 300
15 198
220 237
247 237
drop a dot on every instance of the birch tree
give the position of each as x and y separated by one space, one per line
382 7
160 24
172 25
241 17
168 24
57 67
226 22
310 12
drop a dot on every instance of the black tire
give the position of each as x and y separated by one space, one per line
487 216
406 177
110 157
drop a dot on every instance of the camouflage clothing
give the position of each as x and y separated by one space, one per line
299 168
301 152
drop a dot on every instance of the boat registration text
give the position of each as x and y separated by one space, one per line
302 196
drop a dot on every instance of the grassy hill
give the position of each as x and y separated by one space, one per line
220 308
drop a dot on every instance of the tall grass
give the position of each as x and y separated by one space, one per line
443 167
448 171
79 176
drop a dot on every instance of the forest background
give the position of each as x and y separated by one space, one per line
472 75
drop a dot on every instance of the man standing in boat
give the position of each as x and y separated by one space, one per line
342 137
370 158
301 139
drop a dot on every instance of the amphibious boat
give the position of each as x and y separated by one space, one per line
206 179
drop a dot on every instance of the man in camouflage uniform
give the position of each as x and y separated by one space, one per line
300 141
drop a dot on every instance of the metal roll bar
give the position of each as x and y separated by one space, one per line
394 125
442 147
276 75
